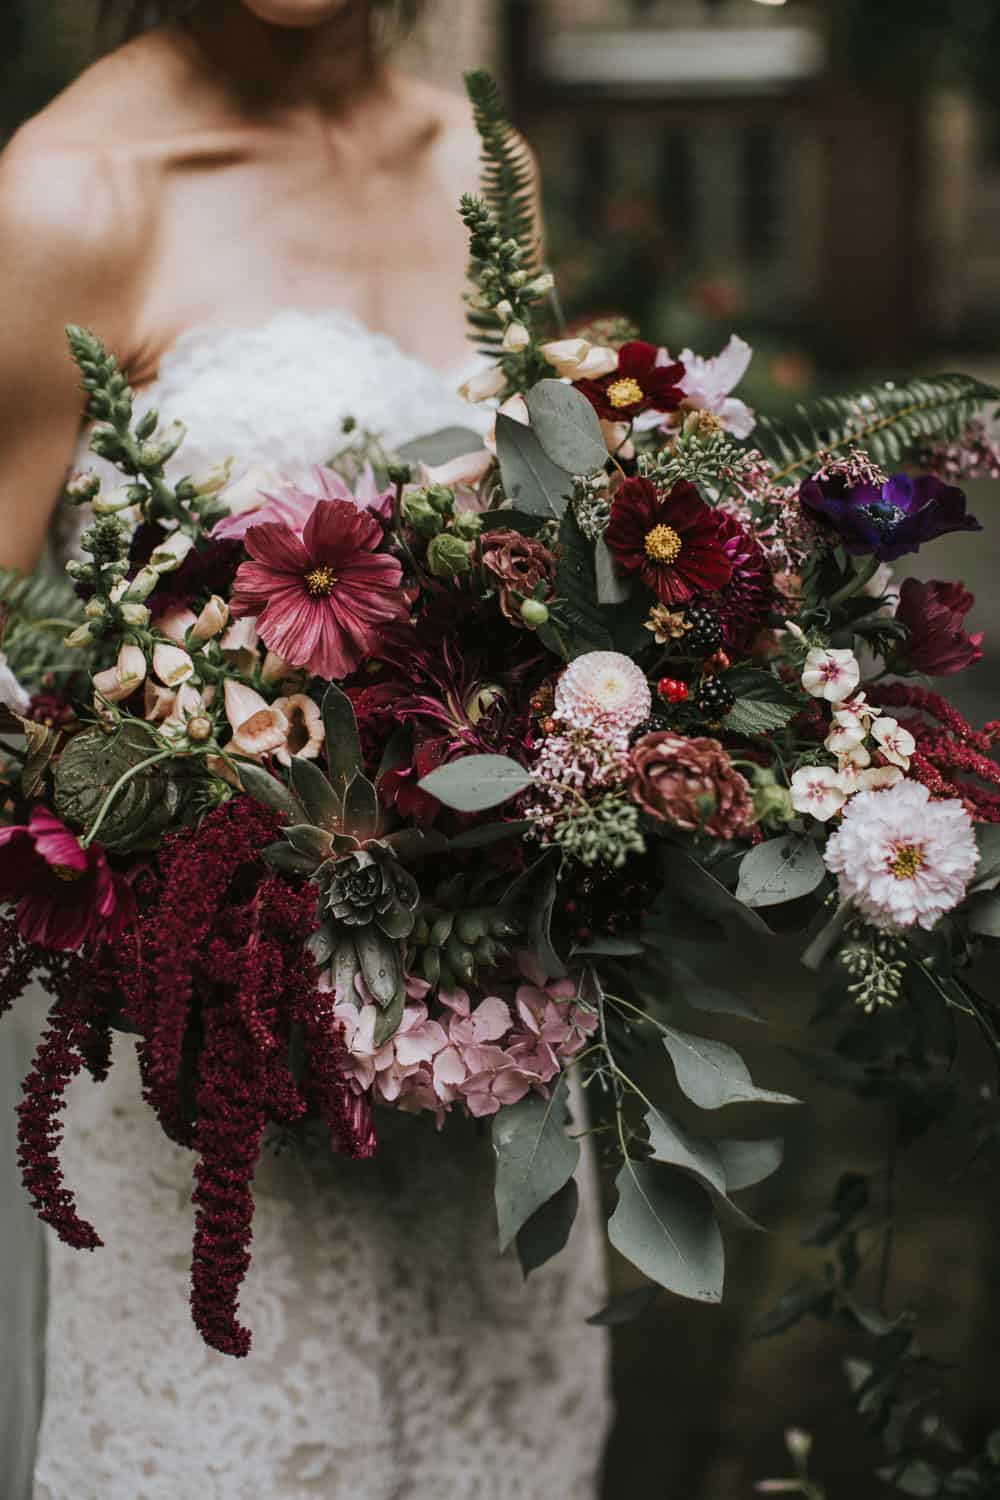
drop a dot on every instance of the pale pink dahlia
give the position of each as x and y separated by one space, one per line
324 600
603 687
902 859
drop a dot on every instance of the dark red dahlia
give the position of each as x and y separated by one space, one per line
639 384
934 615
673 540
743 604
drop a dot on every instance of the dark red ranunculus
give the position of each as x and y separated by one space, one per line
934 614
673 540
65 894
639 384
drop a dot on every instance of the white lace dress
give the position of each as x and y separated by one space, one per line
396 1355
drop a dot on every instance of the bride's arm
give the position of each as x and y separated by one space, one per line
67 237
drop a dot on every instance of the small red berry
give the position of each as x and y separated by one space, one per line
671 690
719 662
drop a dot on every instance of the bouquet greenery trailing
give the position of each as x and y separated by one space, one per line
466 760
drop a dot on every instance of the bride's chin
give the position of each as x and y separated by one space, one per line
298 12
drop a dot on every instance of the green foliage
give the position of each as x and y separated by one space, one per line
38 610
535 1157
781 869
888 421
116 787
508 174
476 782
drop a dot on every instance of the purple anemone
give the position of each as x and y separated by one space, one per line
887 521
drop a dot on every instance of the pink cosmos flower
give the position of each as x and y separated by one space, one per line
65 894
323 600
707 384
293 502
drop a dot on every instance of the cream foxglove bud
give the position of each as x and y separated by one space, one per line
154 453
484 386
258 729
504 310
143 584
122 498
135 614
212 621
306 732
169 555
120 681
81 636
94 609
171 665
214 480
83 487
542 285
516 338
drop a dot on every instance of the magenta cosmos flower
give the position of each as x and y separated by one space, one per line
324 600
65 894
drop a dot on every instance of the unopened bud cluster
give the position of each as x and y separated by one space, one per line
874 963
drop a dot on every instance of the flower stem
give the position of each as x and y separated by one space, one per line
143 765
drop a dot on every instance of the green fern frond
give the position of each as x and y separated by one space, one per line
38 610
887 421
507 179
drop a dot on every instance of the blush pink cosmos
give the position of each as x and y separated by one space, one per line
325 600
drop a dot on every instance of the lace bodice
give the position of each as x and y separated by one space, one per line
396 1355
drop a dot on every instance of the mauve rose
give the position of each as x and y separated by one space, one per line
934 614
689 783
518 564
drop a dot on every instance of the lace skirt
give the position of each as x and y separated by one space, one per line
396 1355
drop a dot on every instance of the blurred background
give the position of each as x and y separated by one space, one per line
823 177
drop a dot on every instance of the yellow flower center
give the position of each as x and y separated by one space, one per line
909 858
66 872
624 392
320 582
663 544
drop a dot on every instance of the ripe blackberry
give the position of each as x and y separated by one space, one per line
653 725
715 698
704 633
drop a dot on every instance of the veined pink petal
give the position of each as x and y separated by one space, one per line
278 548
54 842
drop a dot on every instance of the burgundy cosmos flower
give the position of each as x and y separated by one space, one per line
934 614
639 384
672 540
65 894
323 601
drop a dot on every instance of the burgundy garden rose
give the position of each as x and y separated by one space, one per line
518 564
934 616
671 538
65 894
691 784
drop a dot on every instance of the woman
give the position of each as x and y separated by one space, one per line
257 215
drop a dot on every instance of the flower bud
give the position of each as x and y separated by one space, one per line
400 473
171 665
83 487
534 613
484 386
211 622
419 513
117 500
200 729
81 636
80 572
94 609
143 584
213 480
135 614
542 285
169 555
483 698
448 556
467 524
516 338
151 455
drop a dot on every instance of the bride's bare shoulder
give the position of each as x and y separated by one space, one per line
76 198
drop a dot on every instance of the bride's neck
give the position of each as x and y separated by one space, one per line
269 66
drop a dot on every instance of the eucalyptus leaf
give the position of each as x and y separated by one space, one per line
441 447
530 479
699 888
545 1234
270 792
535 1157
533 896
781 869
612 588
476 782
665 1225
626 1308
671 1144
713 1074
567 427
343 745
745 1163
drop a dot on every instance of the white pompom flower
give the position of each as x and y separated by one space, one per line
603 688
901 858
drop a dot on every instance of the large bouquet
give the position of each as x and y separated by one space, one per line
425 780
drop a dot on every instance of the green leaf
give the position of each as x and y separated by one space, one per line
533 896
534 1157
322 805
567 427
547 1231
983 915
490 833
283 857
441 447
93 768
807 1295
627 1307
665 1225
762 705
530 478
576 589
612 588
312 843
987 876
476 782
782 869
343 746
389 1020
381 965
745 1163
671 1144
713 1074
360 808
40 743
699 888
687 985
269 791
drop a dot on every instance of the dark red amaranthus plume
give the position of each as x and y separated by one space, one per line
949 751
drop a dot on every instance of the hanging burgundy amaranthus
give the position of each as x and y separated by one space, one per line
947 747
